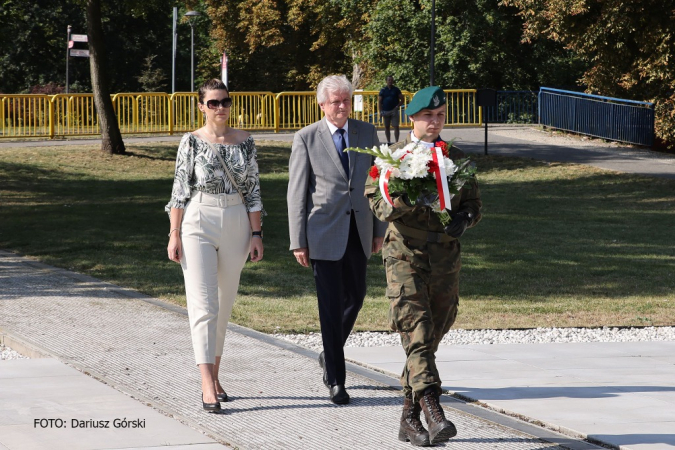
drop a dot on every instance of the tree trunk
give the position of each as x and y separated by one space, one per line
111 137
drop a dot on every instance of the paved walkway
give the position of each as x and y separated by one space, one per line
616 393
140 348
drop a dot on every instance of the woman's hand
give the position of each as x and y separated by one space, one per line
256 249
175 248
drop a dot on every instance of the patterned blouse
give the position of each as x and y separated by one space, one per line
198 169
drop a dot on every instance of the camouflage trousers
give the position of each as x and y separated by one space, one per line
423 290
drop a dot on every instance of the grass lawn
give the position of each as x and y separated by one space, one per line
559 244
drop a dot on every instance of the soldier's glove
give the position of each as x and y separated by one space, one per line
460 221
426 199
406 200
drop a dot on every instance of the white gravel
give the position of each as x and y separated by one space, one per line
532 336
8 353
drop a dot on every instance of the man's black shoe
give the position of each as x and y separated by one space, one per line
322 363
338 394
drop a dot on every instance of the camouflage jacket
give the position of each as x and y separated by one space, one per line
422 217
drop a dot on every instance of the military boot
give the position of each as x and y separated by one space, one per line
440 429
411 428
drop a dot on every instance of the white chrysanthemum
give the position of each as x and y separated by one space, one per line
450 167
414 165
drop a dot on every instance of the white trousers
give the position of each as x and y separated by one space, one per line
216 238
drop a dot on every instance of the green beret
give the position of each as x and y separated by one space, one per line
428 98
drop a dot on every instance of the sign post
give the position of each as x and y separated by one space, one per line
486 98
70 51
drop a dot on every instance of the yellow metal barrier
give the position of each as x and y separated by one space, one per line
186 116
142 112
365 107
25 115
74 115
138 113
296 110
461 108
252 110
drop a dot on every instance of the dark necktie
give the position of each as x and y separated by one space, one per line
342 145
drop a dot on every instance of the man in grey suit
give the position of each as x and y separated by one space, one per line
330 223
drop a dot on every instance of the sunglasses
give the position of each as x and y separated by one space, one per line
225 103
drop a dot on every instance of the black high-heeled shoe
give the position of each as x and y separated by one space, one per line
222 397
210 406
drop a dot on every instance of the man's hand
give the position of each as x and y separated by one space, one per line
377 244
460 221
302 256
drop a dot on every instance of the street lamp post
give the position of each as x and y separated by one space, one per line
191 18
67 56
433 42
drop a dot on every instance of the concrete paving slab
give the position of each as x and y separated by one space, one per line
587 389
74 411
632 436
658 349
485 370
650 375
461 353
42 367
386 355
525 352
142 348
522 384
599 363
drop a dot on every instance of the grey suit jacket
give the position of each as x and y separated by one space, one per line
320 196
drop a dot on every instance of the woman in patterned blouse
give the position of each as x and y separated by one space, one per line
215 225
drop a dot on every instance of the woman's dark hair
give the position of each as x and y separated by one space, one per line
214 84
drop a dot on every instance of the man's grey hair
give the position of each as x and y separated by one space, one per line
333 83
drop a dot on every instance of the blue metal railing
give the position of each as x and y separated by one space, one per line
513 107
593 115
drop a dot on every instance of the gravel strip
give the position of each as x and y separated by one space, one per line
8 353
532 336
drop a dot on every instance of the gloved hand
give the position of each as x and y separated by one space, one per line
460 221
426 199
406 201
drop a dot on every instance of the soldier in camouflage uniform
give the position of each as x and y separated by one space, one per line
422 261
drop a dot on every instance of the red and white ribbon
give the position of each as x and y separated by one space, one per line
441 178
384 186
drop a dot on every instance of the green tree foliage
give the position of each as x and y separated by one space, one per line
478 44
277 45
152 78
33 43
628 44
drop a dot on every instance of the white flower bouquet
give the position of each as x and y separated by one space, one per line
425 175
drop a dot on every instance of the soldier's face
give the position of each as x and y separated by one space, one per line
337 108
428 123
